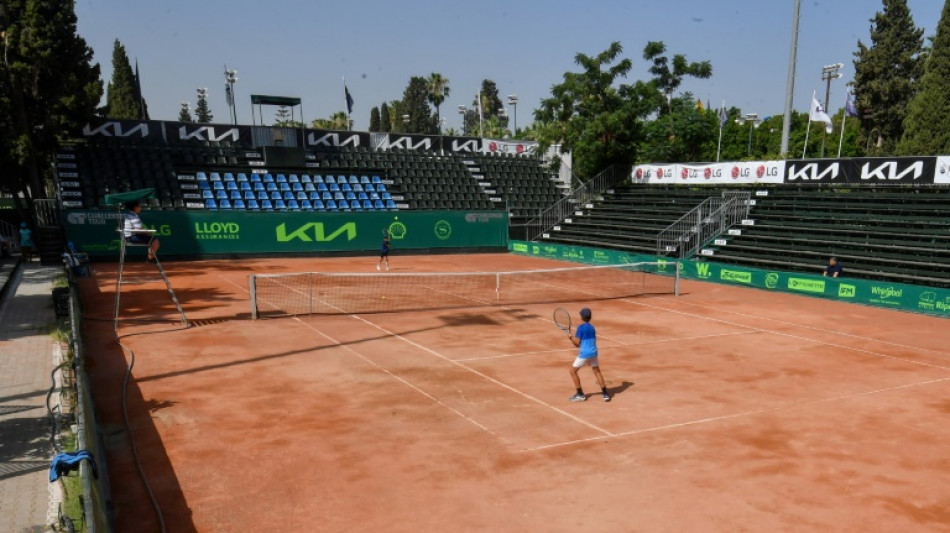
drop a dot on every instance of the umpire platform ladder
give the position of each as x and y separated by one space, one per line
158 263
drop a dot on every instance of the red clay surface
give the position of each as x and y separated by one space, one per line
734 410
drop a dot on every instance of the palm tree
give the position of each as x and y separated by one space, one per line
438 90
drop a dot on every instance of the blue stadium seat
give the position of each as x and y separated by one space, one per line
327 195
309 187
263 195
346 187
214 176
249 195
230 185
331 204
281 178
296 186
253 205
224 204
239 204
386 196
318 204
275 195
364 179
357 187
258 186
355 206
221 195
270 187
268 178
338 196
322 187
362 196
287 195
378 204
228 176
244 186
367 205
235 195
334 187
305 178
266 205
293 178
293 205
210 204
201 176
329 179
317 178
374 196
354 179
242 177
283 186
279 204
207 194
376 179
391 205
306 205
314 195
256 178
301 195
343 204
351 195
217 185
204 185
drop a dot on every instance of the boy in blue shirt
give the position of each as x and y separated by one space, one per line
585 338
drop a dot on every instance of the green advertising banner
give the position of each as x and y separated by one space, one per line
901 296
234 232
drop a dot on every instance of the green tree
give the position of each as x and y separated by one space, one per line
491 108
886 74
337 121
385 120
587 114
698 134
374 119
121 99
184 115
415 107
667 79
282 116
438 91
927 124
49 88
203 113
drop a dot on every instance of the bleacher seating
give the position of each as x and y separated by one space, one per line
219 176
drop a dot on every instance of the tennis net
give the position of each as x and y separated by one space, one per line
354 293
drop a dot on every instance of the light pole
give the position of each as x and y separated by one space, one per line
230 76
405 122
502 113
462 111
754 122
828 73
513 102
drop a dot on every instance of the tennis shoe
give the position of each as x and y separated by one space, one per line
377 267
606 397
579 398
387 268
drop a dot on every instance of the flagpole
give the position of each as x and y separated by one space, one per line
808 129
346 105
844 119
719 146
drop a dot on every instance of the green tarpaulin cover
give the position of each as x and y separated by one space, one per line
121 198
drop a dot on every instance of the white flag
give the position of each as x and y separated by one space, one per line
817 114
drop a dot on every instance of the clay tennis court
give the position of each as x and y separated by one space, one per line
733 410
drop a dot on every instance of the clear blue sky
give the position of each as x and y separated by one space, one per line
305 48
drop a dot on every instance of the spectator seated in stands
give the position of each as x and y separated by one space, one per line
833 270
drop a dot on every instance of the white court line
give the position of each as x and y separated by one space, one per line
816 328
443 357
736 415
799 337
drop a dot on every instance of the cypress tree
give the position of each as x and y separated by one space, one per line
374 119
886 74
121 100
202 111
385 124
927 125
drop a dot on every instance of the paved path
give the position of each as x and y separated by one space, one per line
26 360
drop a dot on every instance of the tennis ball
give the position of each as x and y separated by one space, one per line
382 297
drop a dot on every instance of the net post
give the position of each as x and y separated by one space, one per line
252 281
676 282
497 286
310 293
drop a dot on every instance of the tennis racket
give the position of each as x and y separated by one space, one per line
562 319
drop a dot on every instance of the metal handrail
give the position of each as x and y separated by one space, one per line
581 195
708 220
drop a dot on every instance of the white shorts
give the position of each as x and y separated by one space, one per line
580 362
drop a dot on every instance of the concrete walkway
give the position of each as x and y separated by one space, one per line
26 361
